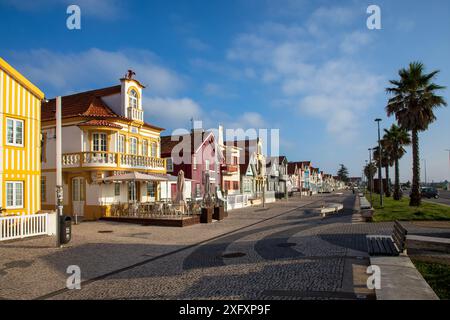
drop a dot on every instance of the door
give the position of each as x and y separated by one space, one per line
78 187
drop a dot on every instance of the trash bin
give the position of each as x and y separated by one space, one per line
65 229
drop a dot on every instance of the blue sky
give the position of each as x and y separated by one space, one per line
309 68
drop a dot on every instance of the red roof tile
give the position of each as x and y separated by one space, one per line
99 123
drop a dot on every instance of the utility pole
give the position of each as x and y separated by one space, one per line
370 176
59 185
425 170
380 152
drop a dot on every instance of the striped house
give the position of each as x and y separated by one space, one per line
20 131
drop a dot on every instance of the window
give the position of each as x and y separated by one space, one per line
43 189
154 149
145 148
151 189
132 191
133 145
43 147
194 162
121 144
99 142
169 164
235 185
226 185
116 189
133 99
206 164
14 132
14 194
198 190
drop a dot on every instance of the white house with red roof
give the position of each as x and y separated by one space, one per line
103 134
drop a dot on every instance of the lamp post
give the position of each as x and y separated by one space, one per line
448 150
370 176
380 152
425 170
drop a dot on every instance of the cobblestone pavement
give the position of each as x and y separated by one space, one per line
284 251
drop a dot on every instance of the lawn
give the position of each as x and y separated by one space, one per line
400 210
437 275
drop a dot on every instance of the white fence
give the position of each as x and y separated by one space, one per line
17 227
237 201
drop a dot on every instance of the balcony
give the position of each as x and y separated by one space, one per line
135 114
111 160
229 168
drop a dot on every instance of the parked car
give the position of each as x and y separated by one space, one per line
428 192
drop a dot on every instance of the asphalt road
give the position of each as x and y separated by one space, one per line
444 198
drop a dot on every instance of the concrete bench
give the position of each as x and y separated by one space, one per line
425 243
400 280
331 209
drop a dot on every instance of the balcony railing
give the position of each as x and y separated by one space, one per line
111 160
229 168
135 114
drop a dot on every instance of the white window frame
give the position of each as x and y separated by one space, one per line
133 100
100 140
144 147
135 140
169 164
154 150
121 144
14 128
14 195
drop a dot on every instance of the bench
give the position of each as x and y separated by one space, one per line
388 245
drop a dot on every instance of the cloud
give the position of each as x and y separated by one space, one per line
63 73
197 44
104 9
315 68
171 112
354 41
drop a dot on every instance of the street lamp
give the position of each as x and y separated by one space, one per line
380 178
370 176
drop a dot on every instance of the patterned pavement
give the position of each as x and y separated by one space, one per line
285 251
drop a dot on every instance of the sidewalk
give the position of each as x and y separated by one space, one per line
33 267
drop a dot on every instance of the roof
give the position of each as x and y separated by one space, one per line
292 166
86 104
21 79
99 123
169 142
80 103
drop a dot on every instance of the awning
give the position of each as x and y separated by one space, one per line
135 176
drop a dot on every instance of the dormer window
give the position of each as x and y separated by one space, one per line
133 99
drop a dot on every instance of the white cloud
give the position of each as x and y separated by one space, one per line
104 9
64 73
171 112
354 41
197 44
313 68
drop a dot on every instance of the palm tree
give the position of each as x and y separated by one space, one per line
396 138
386 162
413 103
370 170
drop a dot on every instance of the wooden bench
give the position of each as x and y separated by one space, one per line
388 245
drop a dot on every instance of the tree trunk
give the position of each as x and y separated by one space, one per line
388 186
397 193
415 199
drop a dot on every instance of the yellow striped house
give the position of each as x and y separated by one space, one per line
20 143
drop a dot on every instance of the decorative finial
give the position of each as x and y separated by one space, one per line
130 74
